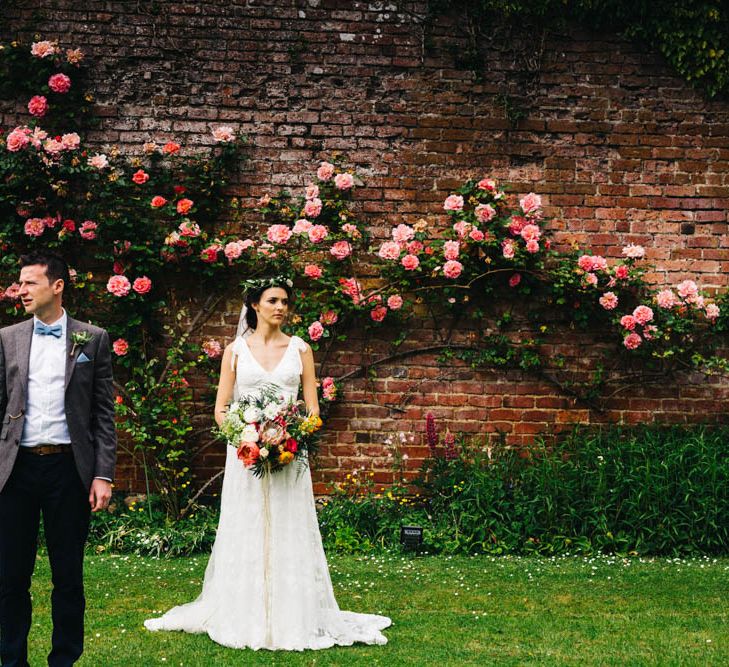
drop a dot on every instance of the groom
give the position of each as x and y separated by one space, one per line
57 456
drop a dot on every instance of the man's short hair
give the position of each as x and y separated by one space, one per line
56 266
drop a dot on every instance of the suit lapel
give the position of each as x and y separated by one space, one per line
22 348
71 326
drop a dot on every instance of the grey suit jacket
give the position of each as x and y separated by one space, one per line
89 399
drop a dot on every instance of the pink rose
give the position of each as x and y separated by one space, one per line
516 224
210 254
666 299
410 262
329 388
316 330
632 341
59 83
140 177
121 347
687 289
12 292
530 233
532 246
142 285
609 301
633 251
329 318
278 233
591 279
118 285
341 250
378 313
414 247
462 228
643 315
451 249
487 184
189 228
628 322
224 134
38 106
312 208
232 250
351 288
452 269
157 202
343 181
70 141
52 146
394 302
403 233
477 235
212 348
484 212
43 49
351 230
246 243
712 311
453 203
585 262
313 271
98 161
650 331
389 250
317 233
507 249
17 140
184 206
301 226
530 204
312 191
38 136
621 272
87 230
325 171
74 56
34 226
515 280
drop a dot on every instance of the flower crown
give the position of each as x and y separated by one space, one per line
255 284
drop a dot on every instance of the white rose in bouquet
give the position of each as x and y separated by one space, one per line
271 410
263 452
249 434
252 414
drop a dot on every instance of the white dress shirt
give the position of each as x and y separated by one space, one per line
45 408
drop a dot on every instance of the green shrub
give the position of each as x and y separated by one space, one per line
646 490
144 528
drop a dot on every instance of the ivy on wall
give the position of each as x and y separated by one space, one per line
693 35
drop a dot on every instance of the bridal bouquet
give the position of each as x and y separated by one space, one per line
270 432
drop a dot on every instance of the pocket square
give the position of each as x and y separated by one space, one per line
82 359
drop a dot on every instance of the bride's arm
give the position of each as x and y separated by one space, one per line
225 386
308 381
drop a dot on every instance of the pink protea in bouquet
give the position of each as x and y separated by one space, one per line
269 431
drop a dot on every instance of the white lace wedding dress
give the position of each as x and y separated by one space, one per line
267 582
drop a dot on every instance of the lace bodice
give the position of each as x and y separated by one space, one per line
251 376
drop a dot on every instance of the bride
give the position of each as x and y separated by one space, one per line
267 582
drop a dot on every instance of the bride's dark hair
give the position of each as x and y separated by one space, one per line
254 294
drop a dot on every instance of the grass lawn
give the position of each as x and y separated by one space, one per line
446 611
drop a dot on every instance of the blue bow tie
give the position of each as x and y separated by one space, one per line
48 329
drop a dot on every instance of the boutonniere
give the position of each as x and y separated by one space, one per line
80 338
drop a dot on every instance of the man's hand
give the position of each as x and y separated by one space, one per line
100 495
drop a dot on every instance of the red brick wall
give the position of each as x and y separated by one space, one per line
620 148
